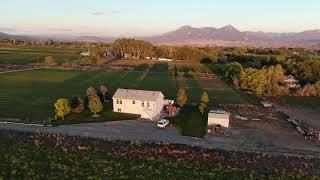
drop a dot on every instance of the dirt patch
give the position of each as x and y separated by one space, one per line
253 112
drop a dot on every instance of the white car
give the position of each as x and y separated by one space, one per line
163 123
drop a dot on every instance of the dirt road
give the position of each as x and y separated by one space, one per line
243 139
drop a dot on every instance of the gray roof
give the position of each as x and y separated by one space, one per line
218 114
140 95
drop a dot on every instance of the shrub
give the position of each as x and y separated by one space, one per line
95 105
310 90
182 97
62 108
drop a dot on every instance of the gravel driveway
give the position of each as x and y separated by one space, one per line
146 131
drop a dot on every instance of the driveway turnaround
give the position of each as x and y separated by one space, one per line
146 131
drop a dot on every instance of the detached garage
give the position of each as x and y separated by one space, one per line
218 118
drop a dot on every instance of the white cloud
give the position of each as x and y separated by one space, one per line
97 13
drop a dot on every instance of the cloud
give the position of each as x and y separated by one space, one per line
97 13
100 13
60 29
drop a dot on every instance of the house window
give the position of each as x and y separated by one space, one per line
142 104
133 102
119 110
148 104
120 101
117 101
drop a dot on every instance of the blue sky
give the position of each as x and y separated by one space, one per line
148 17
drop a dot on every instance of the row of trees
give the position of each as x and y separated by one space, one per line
12 42
142 49
182 100
93 101
136 48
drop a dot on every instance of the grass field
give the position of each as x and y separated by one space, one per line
35 55
32 93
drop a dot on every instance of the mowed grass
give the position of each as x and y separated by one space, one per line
35 55
32 93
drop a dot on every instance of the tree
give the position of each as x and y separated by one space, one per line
97 61
49 61
202 107
311 90
62 108
233 70
132 47
95 106
77 105
104 91
91 93
254 80
205 98
74 102
182 97
204 102
240 51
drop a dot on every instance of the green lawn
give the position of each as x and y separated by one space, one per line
25 161
32 93
34 55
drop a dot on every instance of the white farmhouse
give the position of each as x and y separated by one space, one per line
148 104
87 53
162 59
219 117
291 82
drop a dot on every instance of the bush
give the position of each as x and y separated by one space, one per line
310 90
62 108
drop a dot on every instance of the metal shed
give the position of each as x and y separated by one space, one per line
218 117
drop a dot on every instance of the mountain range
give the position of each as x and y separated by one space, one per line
188 35
230 36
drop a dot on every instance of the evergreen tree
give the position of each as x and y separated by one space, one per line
182 97
95 106
205 97
202 107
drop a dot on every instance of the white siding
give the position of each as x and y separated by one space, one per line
128 107
218 119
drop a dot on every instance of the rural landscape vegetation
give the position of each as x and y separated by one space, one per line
58 121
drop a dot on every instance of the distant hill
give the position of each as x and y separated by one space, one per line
106 39
230 36
4 35
188 35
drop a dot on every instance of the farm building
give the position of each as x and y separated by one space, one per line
291 82
87 53
164 59
218 117
148 104
266 104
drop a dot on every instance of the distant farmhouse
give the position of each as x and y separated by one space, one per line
87 53
164 59
291 82
148 104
